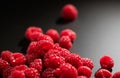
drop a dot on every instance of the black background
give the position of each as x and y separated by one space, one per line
97 26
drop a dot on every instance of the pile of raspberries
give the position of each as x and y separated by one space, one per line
48 56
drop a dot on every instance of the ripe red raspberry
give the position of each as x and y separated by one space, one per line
106 62
81 77
48 73
46 37
37 64
3 65
69 12
6 55
74 59
88 62
70 33
7 71
17 74
103 73
20 67
31 48
57 72
65 42
68 71
30 30
61 53
17 59
116 75
53 61
32 73
84 71
53 34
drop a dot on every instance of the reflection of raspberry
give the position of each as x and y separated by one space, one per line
6 55
74 59
37 64
116 75
68 71
70 33
88 62
30 30
17 59
84 71
106 62
103 73
53 34
65 42
32 73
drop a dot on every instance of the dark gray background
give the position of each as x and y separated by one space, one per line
97 26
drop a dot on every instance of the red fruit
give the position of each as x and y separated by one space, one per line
3 64
30 30
20 67
68 71
70 33
116 75
106 62
32 73
6 55
103 73
7 71
81 77
48 73
88 62
57 72
74 59
84 71
17 59
17 74
65 42
46 37
53 34
53 61
69 12
37 64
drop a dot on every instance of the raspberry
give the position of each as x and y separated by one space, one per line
70 33
88 62
61 53
103 73
116 75
106 62
53 61
48 73
65 42
84 71
81 77
46 37
53 34
31 48
17 59
17 74
32 73
30 30
20 67
74 59
37 64
69 12
3 64
57 72
6 55
68 71
7 71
